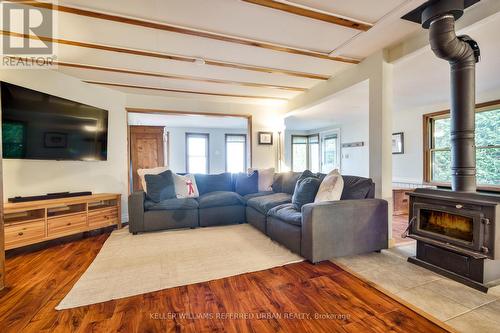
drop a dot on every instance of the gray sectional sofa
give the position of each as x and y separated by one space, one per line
355 224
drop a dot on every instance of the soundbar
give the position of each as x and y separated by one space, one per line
49 196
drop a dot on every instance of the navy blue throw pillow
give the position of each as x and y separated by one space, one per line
247 184
309 173
305 191
161 186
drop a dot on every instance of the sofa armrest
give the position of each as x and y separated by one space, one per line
341 228
136 211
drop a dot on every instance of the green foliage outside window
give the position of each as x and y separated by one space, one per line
487 148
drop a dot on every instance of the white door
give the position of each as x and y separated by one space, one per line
329 152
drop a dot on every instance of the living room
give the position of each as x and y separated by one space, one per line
172 165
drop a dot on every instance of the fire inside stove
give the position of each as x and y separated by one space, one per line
447 224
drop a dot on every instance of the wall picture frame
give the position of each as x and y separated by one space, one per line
265 138
398 143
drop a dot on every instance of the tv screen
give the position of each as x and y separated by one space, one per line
45 127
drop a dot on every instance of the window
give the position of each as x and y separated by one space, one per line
197 153
236 152
437 153
305 152
313 142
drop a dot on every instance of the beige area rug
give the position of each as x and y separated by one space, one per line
130 265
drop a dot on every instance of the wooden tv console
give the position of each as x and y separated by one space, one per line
37 221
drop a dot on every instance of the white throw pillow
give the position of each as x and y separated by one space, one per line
152 171
185 186
331 187
266 178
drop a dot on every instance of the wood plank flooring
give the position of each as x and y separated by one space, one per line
282 299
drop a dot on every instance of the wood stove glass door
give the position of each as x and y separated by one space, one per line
452 225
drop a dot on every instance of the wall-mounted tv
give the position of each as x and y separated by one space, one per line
45 127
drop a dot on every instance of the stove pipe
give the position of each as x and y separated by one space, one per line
462 53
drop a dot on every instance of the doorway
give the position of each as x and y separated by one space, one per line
193 142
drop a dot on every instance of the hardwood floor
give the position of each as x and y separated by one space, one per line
282 299
399 225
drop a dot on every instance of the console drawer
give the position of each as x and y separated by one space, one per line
103 217
24 233
67 225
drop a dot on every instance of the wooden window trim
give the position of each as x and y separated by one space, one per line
246 149
204 135
427 144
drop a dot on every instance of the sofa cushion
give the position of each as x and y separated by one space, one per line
153 171
212 183
185 186
285 182
220 198
266 178
246 184
287 213
264 203
305 191
161 186
255 195
171 204
356 187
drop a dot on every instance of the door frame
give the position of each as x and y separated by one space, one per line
322 136
187 113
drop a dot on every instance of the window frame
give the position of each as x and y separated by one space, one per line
428 144
245 165
207 147
308 157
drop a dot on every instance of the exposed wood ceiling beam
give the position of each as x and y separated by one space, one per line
188 31
170 56
111 84
313 14
171 76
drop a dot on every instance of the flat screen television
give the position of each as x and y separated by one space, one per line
45 127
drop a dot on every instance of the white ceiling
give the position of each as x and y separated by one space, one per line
420 80
227 17
350 105
191 121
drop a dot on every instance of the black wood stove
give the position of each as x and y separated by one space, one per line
458 235
458 230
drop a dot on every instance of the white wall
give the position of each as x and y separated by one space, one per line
217 146
32 177
264 118
355 160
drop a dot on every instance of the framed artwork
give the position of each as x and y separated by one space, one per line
398 143
55 140
265 138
